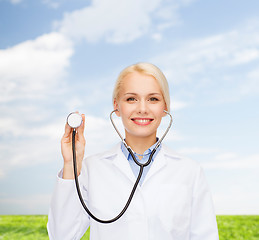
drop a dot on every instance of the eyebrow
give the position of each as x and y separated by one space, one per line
148 94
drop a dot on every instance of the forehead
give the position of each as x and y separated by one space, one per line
140 83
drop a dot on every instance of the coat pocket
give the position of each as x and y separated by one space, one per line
175 201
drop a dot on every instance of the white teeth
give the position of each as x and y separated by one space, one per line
142 120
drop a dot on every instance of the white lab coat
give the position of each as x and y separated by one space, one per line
173 203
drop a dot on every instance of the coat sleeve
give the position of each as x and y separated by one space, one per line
203 219
67 219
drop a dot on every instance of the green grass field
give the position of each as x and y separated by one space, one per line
34 227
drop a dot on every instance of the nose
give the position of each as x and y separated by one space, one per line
142 107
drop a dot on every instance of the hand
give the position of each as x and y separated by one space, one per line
66 149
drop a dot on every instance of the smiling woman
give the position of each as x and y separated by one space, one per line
172 199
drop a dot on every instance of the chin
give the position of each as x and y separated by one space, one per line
141 134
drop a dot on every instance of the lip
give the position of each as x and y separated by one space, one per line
142 121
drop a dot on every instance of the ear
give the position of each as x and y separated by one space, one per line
116 107
165 114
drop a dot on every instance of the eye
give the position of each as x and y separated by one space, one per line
131 99
153 99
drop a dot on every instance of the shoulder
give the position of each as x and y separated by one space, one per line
180 159
186 168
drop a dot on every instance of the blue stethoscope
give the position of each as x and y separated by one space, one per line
74 120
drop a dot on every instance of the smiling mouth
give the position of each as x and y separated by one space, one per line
142 121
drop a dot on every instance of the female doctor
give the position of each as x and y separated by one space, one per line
172 200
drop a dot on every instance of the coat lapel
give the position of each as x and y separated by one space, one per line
159 163
123 165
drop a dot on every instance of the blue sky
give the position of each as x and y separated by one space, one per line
60 56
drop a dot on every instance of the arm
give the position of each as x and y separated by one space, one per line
66 150
203 220
67 220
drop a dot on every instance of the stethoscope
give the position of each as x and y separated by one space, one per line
74 120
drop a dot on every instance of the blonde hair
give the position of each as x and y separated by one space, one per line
148 69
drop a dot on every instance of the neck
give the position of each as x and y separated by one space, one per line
140 145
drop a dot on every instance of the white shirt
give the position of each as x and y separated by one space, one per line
173 203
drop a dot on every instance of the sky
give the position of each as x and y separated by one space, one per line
59 56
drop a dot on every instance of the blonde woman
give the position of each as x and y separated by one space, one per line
172 200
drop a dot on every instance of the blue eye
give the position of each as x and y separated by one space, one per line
130 99
153 99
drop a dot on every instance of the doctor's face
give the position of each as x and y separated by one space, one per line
141 105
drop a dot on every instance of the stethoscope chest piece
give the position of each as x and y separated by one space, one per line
74 120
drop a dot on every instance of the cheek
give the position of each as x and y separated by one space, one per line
158 111
124 110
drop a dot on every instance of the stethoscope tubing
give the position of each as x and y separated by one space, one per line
141 165
129 148
80 195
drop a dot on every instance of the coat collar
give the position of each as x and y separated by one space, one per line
119 161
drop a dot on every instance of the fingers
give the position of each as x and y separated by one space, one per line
80 130
68 131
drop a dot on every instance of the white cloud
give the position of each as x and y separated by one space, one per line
23 125
157 37
29 204
232 161
212 52
236 201
216 159
197 150
16 1
177 105
2 174
120 21
115 25
29 72
52 3
33 66
100 134
251 84
28 151
31 142
244 56
225 64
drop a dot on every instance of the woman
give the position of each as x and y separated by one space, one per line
172 201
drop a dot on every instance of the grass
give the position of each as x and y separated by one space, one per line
25 227
34 227
238 227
